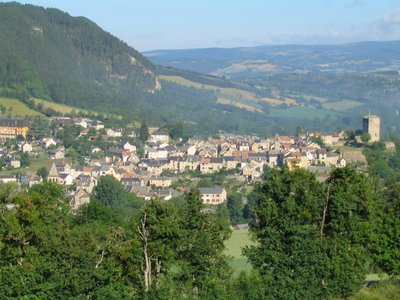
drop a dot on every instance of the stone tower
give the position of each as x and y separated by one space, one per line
372 125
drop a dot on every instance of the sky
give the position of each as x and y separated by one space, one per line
182 24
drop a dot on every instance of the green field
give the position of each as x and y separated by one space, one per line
229 96
36 163
300 112
342 105
234 245
382 291
62 108
66 109
16 108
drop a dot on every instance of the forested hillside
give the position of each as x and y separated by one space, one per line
49 54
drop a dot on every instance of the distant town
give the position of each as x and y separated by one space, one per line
164 168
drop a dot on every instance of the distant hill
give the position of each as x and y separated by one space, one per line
304 80
252 61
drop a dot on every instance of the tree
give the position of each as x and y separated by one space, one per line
42 172
177 131
312 238
39 127
27 232
3 163
46 252
201 259
318 140
365 137
347 226
386 250
159 233
68 134
110 191
285 224
25 160
235 207
143 132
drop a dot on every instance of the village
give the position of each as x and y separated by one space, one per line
164 168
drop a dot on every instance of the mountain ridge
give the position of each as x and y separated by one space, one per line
358 56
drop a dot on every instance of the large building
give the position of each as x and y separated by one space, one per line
213 195
372 125
12 128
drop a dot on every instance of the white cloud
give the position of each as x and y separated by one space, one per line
389 25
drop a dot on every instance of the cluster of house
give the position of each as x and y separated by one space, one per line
246 154
144 175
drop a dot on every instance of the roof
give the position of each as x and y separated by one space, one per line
160 178
13 123
131 179
81 194
216 160
7 176
159 133
212 190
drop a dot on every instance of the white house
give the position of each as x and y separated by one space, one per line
159 136
26 148
127 146
81 197
213 195
114 132
47 142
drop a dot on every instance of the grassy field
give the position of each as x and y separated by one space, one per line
342 105
234 245
302 113
382 291
237 104
62 108
36 163
275 102
16 108
231 96
308 97
66 109
227 91
42 161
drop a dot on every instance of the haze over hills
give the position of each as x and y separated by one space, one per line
253 61
351 79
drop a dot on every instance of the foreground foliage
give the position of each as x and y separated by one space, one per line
312 240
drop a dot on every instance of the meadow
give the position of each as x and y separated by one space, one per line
342 105
301 112
16 108
238 240
61 108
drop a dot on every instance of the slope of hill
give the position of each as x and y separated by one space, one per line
48 54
